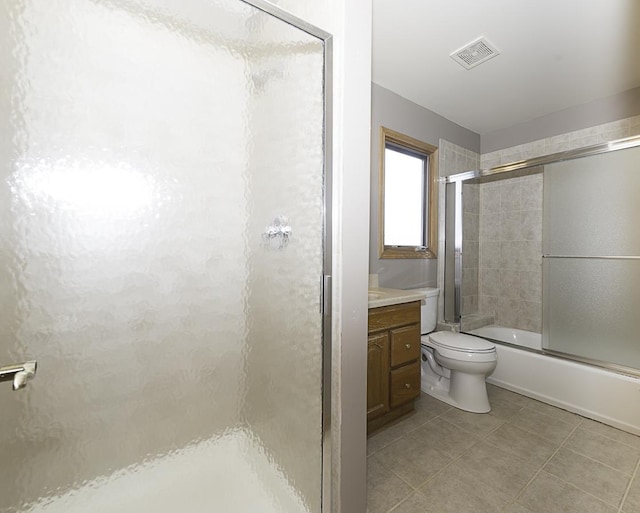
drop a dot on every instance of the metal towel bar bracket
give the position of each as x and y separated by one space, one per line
20 373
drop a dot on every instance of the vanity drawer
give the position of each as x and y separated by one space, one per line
405 345
387 317
405 384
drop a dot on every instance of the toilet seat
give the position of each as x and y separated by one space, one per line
458 346
461 342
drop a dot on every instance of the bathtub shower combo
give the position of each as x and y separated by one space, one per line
157 260
543 257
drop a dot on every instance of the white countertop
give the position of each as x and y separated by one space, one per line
385 297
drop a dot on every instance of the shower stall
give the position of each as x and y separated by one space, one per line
164 257
543 257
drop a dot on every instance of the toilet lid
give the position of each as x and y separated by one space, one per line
460 342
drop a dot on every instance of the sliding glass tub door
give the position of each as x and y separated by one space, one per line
591 263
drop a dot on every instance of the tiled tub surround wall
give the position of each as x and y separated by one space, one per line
510 252
510 230
569 141
456 159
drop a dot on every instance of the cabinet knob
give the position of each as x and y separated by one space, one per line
407 385
408 346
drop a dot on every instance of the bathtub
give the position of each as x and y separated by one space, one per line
590 391
514 336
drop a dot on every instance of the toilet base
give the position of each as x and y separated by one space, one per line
471 397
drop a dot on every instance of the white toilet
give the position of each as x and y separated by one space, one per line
454 365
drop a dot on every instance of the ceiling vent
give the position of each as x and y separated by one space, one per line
474 53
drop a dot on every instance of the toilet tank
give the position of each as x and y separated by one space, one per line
429 309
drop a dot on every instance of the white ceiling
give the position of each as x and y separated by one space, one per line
554 54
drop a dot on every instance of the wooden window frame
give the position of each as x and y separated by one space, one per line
388 136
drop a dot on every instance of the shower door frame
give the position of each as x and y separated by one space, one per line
453 257
326 281
322 472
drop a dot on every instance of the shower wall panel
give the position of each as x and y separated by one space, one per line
510 275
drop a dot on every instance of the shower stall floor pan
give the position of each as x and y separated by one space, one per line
589 391
229 474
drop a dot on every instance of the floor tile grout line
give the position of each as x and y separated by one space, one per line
412 492
581 425
395 506
587 456
634 476
527 431
533 433
413 488
612 439
479 437
581 420
431 420
416 488
401 435
503 423
524 488
384 446
600 499
571 484
513 454
580 417
453 460
598 461
417 427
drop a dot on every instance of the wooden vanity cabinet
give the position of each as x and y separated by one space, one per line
377 380
393 362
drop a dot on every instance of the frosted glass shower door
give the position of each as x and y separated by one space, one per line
592 257
161 257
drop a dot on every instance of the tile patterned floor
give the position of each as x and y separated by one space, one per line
523 457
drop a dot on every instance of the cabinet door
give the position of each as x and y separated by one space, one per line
378 375
405 345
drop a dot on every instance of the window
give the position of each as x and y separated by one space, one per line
408 197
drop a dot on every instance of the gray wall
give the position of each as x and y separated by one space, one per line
397 113
603 110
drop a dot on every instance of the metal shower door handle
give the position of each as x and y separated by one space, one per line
20 373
